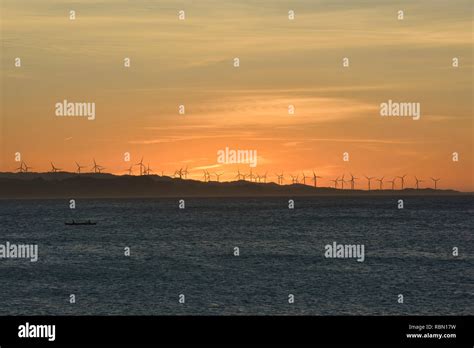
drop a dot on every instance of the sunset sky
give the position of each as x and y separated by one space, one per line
282 62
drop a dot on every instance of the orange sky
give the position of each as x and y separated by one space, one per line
282 62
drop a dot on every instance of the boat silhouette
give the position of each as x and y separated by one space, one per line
74 223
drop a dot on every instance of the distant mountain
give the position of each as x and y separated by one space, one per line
90 185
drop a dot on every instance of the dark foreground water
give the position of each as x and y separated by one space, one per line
190 252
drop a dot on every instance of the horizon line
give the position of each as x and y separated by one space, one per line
242 180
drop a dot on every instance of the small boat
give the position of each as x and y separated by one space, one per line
74 223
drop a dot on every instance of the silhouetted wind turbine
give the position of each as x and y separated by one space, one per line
315 179
435 183
304 178
208 175
130 170
218 175
27 167
141 166
179 173
353 179
335 181
185 172
381 182
239 175
294 180
96 168
402 178
280 178
251 176
148 169
54 169
79 167
342 181
100 168
368 180
417 182
257 177
393 183
20 168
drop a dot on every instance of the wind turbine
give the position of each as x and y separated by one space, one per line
304 178
251 176
239 176
218 175
264 177
148 170
342 181
79 167
402 178
130 170
54 169
179 173
20 168
205 176
185 172
393 183
26 167
280 178
315 179
369 178
352 181
257 177
139 164
435 183
417 182
96 168
381 182
335 181
294 179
